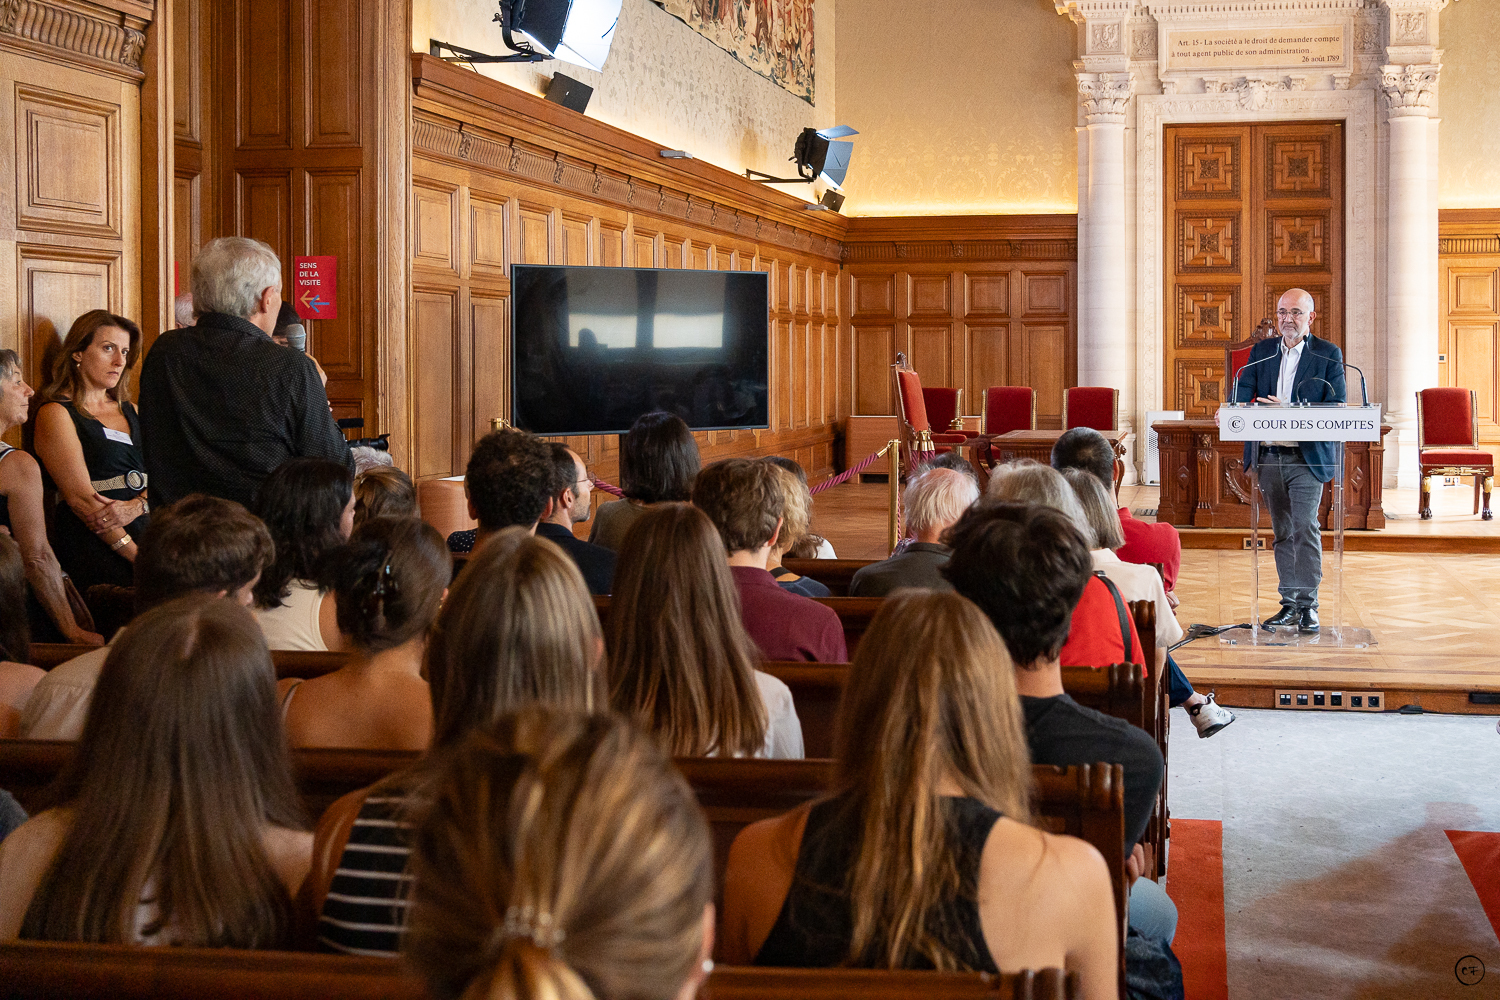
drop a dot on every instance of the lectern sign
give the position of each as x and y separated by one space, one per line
1299 423
1215 50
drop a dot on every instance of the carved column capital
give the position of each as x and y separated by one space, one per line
1106 96
1409 89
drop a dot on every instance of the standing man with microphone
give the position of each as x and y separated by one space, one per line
1298 368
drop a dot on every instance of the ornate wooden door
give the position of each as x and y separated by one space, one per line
1251 211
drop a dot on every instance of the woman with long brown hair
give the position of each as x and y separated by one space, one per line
518 628
562 857
922 857
88 438
179 823
680 662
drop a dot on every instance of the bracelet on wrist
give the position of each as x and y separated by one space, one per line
120 542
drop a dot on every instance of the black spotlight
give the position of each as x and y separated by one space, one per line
578 31
817 153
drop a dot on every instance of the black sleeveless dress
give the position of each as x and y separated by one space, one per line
83 555
816 925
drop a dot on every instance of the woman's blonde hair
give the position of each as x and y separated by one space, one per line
64 381
518 627
680 663
1098 509
561 857
931 696
181 767
796 514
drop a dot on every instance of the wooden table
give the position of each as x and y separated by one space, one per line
1204 483
1037 445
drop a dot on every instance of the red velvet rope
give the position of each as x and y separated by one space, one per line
842 477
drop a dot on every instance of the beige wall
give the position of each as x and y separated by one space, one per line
963 107
665 82
1469 136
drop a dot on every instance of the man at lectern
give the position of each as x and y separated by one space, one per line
1294 368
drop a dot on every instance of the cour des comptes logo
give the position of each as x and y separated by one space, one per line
1236 424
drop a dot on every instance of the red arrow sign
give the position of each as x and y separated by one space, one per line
315 287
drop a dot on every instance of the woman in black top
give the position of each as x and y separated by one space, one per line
88 438
922 856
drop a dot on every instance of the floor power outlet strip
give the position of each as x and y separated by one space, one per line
1330 701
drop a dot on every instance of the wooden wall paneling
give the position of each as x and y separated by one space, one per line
337 228
332 73
263 63
435 227
535 234
56 286
434 374
1469 311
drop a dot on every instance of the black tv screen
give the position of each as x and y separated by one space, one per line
593 348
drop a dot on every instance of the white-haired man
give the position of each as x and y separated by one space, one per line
934 502
221 403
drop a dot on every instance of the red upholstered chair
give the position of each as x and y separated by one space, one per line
1448 444
917 433
1009 408
1095 406
945 408
1236 356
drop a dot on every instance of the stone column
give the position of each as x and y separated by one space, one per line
1106 346
1411 258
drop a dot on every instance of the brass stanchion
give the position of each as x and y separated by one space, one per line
893 453
499 424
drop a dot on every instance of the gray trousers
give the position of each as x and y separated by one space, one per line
1292 493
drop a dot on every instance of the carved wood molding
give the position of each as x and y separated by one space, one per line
101 42
966 238
959 250
1454 245
466 118
1468 231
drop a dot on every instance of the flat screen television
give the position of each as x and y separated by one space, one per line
593 348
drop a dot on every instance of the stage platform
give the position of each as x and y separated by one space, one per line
1429 592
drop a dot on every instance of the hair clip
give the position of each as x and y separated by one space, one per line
385 581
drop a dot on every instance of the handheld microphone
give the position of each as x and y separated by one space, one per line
296 337
1364 393
1236 395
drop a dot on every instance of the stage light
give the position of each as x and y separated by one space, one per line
820 155
575 31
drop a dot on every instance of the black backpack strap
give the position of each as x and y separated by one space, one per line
1124 617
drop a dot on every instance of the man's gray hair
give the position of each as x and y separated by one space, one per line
1104 520
1025 481
182 310
229 274
937 498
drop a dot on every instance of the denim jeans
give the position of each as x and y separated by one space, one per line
1179 688
1292 493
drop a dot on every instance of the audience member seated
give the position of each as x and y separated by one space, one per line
742 499
199 545
934 501
658 460
17 676
1145 541
508 481
11 814
796 505
384 491
923 856
572 498
222 405
680 663
518 628
1141 583
88 438
562 858
809 546
366 458
1102 630
47 608
179 822
308 506
388 584
1026 566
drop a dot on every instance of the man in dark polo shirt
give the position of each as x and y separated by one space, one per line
222 404
1025 566
572 493
743 499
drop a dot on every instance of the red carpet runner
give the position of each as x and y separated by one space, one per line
1195 881
1480 853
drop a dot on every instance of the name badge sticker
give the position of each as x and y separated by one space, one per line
119 437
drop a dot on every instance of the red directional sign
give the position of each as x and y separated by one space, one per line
315 289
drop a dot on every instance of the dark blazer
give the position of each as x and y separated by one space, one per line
596 562
1320 360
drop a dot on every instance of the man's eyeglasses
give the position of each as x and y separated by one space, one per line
1293 313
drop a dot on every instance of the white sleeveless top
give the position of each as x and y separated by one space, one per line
294 625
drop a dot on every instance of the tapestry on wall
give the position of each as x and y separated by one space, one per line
772 37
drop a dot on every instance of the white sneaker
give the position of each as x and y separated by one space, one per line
1209 717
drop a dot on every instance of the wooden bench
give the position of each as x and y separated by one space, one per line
835 574
50 971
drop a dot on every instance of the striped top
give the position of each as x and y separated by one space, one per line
365 911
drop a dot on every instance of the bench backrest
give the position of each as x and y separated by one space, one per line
835 574
46 971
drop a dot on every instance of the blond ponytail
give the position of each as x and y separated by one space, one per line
560 858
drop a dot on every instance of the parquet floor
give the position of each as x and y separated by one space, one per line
1435 618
